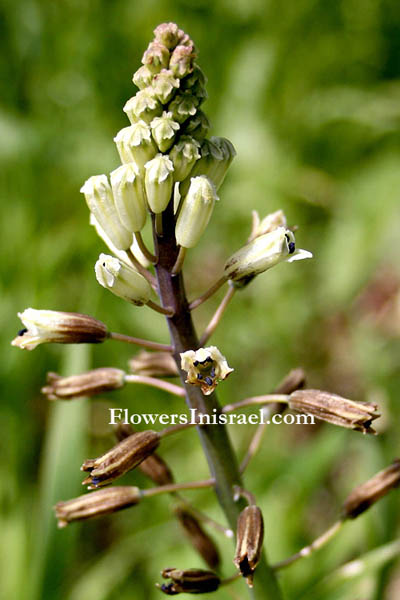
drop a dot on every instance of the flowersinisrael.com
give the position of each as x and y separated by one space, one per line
121 415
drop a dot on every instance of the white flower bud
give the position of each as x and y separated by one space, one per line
261 254
156 57
195 211
184 155
165 86
143 106
100 201
142 77
122 280
135 144
159 182
164 130
127 187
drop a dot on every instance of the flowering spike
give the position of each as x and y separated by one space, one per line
121 280
127 187
195 211
44 326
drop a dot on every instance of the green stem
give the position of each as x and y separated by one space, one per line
214 438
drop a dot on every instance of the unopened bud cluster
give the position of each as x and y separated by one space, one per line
163 146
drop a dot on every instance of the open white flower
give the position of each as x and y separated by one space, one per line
262 253
205 367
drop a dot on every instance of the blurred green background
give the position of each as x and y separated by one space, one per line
309 93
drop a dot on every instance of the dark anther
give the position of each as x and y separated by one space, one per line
208 380
195 363
22 331
104 264
199 376
292 247
212 372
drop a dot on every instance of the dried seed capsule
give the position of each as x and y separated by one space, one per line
182 59
121 280
163 130
156 57
124 457
91 383
96 504
183 106
153 467
190 581
159 182
199 539
143 77
154 364
261 254
335 409
249 541
366 494
196 210
101 203
205 367
127 187
184 155
143 106
164 86
43 326
135 144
